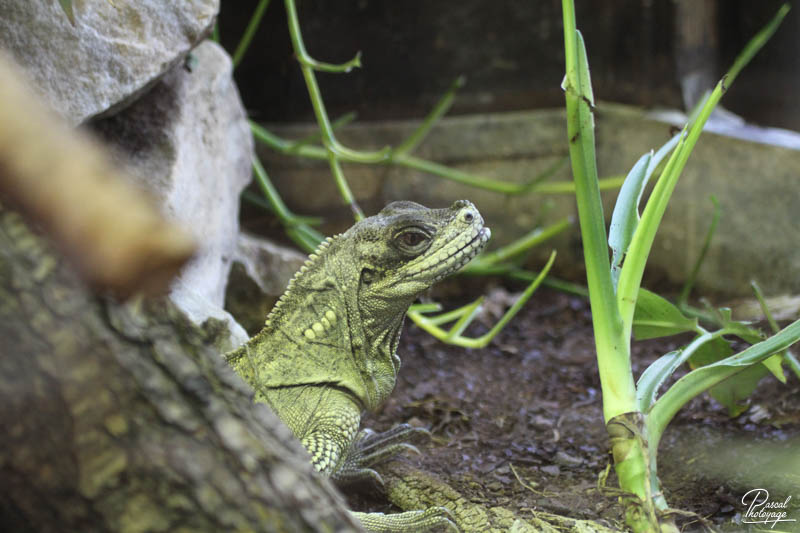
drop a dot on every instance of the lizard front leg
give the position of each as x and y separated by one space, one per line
338 450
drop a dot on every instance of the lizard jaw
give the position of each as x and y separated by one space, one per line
451 256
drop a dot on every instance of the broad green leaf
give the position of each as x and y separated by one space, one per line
626 213
775 365
625 218
705 377
653 376
732 392
656 317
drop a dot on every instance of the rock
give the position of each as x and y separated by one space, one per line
261 270
188 141
745 176
114 52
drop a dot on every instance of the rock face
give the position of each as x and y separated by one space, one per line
188 141
114 52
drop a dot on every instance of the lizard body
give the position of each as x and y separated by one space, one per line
328 350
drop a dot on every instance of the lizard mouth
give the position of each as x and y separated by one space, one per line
451 256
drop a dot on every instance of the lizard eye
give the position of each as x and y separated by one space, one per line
412 240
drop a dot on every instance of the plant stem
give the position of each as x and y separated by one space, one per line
534 185
616 377
438 111
249 32
683 298
521 245
307 67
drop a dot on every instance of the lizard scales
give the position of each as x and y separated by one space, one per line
328 349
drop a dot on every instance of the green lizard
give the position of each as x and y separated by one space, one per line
328 350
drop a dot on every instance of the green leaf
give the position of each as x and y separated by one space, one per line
703 378
731 392
626 213
625 218
656 317
66 5
775 365
653 376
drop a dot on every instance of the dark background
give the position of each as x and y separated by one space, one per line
512 55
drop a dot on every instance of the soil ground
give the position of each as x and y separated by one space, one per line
519 423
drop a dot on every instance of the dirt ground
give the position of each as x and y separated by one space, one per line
519 423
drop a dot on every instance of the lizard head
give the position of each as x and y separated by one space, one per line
344 310
406 248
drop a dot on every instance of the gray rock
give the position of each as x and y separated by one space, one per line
261 271
114 51
188 141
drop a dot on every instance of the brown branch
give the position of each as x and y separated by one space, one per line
121 418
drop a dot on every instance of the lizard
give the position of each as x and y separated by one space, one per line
328 351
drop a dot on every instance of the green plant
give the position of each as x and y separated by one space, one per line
325 146
635 415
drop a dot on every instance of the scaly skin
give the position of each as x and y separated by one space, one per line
328 350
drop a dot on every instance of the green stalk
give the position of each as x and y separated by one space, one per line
683 298
249 32
616 376
438 111
465 314
307 67
519 246
534 185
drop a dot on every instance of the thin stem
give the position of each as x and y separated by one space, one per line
521 245
345 119
271 193
307 68
249 32
464 316
687 287
259 201
438 111
344 188
297 228
533 185
336 68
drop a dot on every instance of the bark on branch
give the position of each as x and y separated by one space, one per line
121 418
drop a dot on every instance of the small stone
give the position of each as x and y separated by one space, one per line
553 470
565 459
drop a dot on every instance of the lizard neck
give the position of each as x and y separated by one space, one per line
321 316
